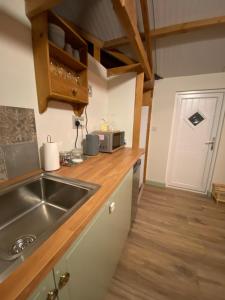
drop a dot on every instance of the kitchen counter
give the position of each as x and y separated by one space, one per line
107 170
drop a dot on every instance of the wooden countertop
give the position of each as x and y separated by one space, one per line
106 170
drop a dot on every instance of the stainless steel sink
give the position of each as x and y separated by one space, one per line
30 211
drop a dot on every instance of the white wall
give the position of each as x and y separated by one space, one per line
17 80
161 122
121 92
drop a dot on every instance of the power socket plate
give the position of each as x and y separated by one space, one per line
75 118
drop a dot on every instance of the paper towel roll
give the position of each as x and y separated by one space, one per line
51 156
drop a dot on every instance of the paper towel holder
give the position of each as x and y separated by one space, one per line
51 155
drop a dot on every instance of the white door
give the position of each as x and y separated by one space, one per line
195 130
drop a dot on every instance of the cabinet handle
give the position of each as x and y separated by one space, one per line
52 295
63 280
112 207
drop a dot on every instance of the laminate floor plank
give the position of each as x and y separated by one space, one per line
175 249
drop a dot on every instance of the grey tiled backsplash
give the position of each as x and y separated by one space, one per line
18 142
3 171
17 125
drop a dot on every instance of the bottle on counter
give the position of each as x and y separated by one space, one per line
104 126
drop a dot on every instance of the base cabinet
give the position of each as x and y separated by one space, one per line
86 262
86 269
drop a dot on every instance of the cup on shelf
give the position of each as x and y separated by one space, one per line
76 54
56 34
68 48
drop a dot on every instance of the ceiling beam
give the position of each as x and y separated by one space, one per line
147 98
124 69
35 7
123 11
170 30
146 24
120 56
186 27
148 85
137 110
116 42
131 10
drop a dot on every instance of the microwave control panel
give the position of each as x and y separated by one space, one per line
104 143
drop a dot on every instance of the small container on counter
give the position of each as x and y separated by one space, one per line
65 158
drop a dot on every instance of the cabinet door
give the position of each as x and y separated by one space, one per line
86 262
119 219
46 289
92 260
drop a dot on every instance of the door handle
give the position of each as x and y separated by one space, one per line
211 143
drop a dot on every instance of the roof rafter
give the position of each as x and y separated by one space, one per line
124 9
120 56
146 24
170 30
125 69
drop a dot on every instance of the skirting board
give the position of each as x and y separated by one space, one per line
209 194
155 183
163 185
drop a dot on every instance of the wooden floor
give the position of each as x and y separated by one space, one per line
176 249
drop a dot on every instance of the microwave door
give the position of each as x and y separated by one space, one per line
116 140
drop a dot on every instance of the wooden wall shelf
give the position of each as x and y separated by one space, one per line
59 76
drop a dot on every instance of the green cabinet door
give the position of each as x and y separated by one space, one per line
92 260
86 262
119 219
46 289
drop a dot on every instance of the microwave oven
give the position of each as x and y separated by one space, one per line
110 141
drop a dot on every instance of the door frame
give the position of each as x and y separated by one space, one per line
218 135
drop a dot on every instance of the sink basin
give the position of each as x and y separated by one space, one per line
32 210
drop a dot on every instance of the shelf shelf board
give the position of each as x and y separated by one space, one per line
64 98
65 57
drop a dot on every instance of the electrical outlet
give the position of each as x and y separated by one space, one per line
75 118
